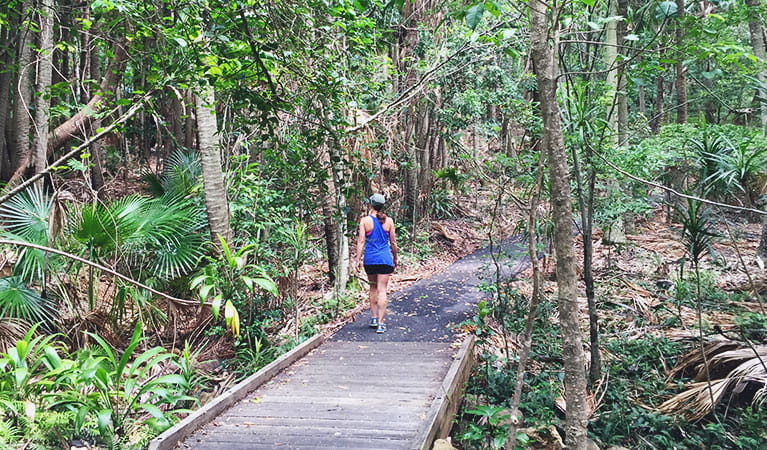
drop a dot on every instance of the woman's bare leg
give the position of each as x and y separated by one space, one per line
383 300
373 295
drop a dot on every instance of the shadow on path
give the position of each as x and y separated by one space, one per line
429 309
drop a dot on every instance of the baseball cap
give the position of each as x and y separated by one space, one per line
377 200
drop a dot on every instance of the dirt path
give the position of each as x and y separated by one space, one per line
429 309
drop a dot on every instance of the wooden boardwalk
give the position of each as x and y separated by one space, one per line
355 395
357 390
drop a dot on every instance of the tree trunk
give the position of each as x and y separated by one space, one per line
84 118
189 126
338 219
331 238
21 154
44 76
611 58
681 75
86 59
544 57
623 101
657 119
216 202
756 30
6 59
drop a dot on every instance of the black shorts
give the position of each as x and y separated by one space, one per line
378 269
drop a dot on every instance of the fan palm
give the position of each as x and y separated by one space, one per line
25 218
163 237
180 176
20 302
169 238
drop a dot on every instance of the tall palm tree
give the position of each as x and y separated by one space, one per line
216 202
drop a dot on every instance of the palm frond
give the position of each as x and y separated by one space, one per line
20 302
736 366
12 330
25 218
104 228
182 172
26 214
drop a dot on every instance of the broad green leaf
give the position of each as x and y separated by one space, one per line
216 305
104 420
20 374
267 285
172 379
52 358
204 291
474 15
589 3
197 280
153 410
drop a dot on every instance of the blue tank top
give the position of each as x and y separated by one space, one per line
377 245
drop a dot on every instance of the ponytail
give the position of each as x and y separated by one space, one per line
379 213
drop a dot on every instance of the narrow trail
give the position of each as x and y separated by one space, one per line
360 389
427 310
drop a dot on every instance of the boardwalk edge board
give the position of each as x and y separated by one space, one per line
175 434
439 419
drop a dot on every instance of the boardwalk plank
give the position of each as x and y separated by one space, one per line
372 422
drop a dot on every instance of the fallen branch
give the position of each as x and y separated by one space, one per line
677 193
128 114
105 269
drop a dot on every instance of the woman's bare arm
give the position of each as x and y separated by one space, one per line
360 244
393 242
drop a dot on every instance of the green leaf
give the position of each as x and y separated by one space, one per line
232 318
665 9
153 410
104 419
204 291
52 358
197 280
20 374
589 3
216 305
267 285
474 15
631 37
493 8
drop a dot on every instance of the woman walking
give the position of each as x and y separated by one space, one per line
378 239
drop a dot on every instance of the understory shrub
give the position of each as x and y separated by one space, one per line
117 399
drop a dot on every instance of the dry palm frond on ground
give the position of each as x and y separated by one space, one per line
736 371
